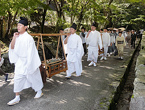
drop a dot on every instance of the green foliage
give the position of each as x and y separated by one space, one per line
115 13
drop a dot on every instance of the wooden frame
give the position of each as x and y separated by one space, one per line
54 67
101 52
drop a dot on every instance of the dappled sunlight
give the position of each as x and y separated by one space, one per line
107 79
86 74
59 82
104 92
80 99
143 55
12 82
114 84
113 75
72 82
61 101
125 52
106 67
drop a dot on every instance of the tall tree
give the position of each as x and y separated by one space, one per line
9 11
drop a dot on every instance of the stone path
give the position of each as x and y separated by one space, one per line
92 91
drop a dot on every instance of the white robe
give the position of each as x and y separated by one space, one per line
94 39
65 45
112 38
106 42
75 53
83 38
26 59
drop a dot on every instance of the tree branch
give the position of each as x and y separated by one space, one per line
110 2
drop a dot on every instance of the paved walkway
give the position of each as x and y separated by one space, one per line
92 91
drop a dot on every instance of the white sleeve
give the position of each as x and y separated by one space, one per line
100 41
13 57
87 39
109 40
80 49
33 60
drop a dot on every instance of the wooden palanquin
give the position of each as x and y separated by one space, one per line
53 67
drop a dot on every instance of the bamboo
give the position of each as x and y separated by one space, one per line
44 57
39 34
38 42
63 47
57 47
53 62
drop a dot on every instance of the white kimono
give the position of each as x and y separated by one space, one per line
26 59
112 39
106 42
94 39
75 53
65 45
83 38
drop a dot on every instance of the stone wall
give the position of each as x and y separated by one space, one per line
7 66
138 98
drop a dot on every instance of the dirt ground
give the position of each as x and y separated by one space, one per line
92 91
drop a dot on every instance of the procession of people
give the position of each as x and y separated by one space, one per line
23 53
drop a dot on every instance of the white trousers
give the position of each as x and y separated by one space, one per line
25 81
92 55
74 67
105 50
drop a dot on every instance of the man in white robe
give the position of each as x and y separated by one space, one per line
93 38
106 43
61 31
75 52
23 53
83 34
112 41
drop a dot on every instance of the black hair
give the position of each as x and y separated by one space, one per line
61 29
83 28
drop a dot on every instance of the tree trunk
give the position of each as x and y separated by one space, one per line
109 18
43 20
58 6
81 15
1 28
110 2
109 14
9 24
80 18
4 27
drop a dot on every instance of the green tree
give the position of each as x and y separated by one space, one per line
9 11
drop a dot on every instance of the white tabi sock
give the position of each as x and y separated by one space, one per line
90 64
95 64
15 100
38 94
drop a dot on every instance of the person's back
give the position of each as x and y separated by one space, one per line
106 38
133 36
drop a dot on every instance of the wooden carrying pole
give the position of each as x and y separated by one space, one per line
63 47
57 48
40 39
